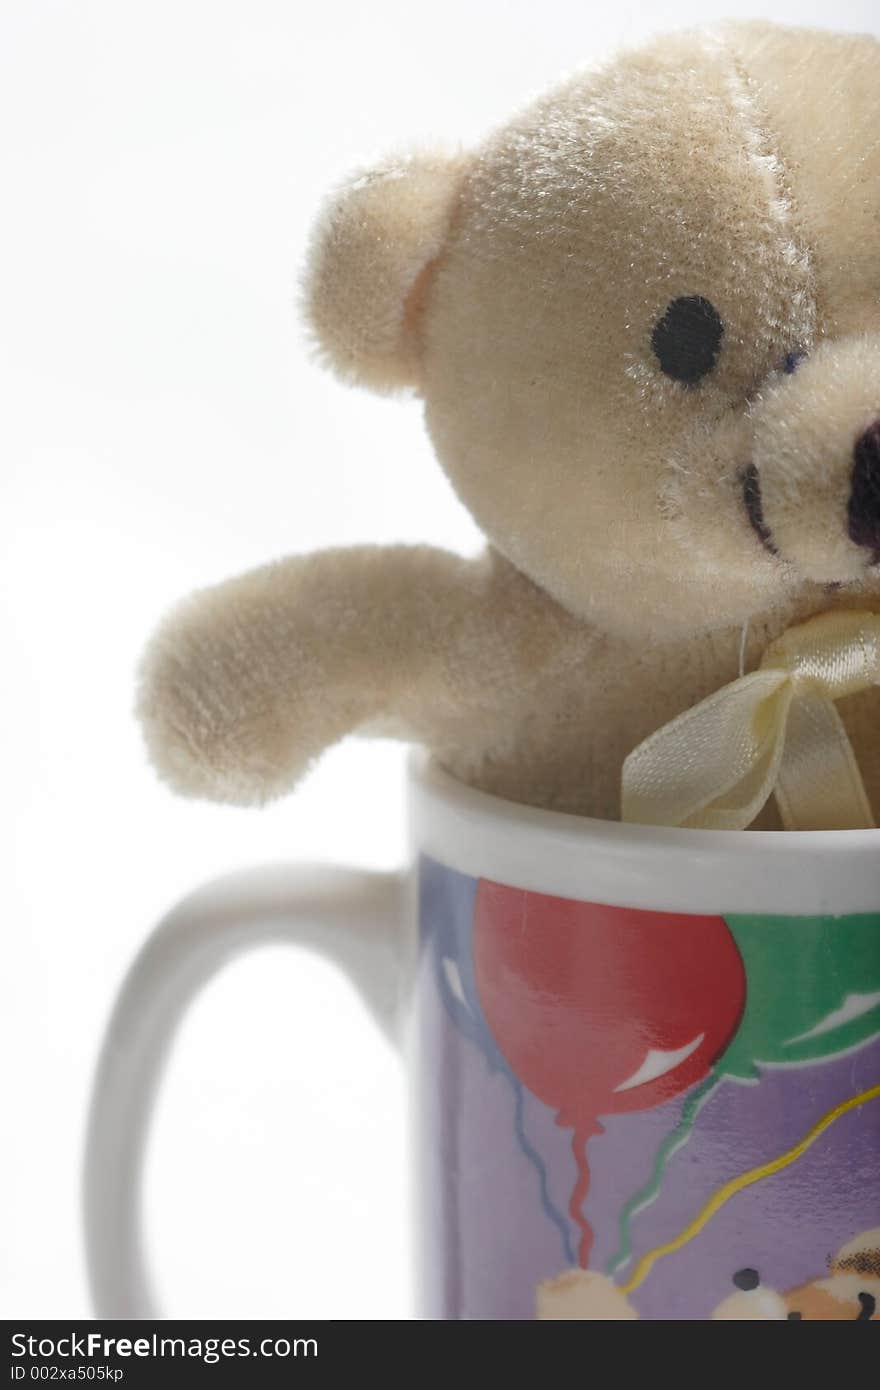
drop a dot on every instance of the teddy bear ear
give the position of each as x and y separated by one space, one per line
370 262
859 1256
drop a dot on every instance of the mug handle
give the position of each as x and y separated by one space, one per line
351 915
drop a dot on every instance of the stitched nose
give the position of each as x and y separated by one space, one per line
864 498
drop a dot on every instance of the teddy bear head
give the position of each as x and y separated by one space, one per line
645 321
851 1289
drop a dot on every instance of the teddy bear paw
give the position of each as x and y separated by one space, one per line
208 731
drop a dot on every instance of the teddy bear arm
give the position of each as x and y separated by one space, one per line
246 683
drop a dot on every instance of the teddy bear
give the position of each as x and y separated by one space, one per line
644 320
851 1289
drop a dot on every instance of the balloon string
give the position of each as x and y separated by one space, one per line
535 1158
649 1192
578 1196
724 1194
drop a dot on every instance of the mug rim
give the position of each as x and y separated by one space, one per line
773 872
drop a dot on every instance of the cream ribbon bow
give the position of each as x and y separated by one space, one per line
773 731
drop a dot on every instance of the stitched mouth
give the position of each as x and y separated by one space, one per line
754 505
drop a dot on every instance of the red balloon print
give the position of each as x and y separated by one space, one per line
601 1010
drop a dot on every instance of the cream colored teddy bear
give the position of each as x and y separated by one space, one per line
644 319
849 1291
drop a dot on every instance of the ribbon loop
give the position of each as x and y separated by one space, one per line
774 731
840 652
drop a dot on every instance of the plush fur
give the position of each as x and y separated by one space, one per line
647 535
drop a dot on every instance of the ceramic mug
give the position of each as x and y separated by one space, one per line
646 1062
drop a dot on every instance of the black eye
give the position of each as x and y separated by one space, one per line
687 338
791 361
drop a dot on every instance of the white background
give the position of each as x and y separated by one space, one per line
162 427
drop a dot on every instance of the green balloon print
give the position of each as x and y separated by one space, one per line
812 992
812 989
